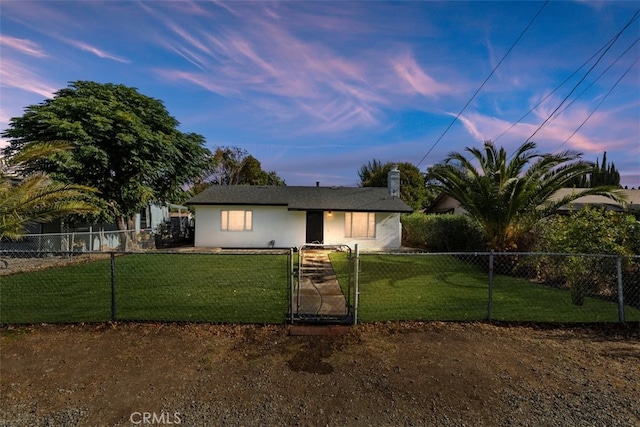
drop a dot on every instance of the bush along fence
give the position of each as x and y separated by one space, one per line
254 286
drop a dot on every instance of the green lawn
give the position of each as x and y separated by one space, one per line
416 287
189 287
253 289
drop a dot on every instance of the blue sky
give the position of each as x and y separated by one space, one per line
314 90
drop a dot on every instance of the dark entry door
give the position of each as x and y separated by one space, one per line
315 226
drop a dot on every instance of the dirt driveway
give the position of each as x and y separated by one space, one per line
392 374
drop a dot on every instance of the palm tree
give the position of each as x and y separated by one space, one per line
36 198
508 196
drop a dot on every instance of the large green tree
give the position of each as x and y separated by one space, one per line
235 166
509 195
29 199
125 144
412 185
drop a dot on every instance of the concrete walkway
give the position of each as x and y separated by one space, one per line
320 294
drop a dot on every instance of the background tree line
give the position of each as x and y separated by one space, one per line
123 150
600 174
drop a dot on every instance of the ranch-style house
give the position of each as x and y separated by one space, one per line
243 216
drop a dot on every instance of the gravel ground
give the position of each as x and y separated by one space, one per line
412 374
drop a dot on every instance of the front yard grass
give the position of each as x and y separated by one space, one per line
441 287
152 287
224 288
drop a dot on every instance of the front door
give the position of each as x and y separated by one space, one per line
315 226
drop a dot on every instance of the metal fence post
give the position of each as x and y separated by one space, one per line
620 292
113 286
291 281
356 277
490 305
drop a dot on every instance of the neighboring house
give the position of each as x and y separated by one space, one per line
149 218
171 222
238 216
632 196
447 204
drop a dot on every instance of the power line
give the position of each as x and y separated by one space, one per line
600 75
586 74
565 81
483 83
600 103
550 93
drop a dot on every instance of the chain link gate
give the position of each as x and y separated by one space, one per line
321 292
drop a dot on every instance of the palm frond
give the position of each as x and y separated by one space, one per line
36 197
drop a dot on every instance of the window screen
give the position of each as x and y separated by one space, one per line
236 220
360 224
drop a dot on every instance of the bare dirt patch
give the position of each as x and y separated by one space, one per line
377 374
14 265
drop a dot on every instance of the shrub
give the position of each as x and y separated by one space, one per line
443 233
588 231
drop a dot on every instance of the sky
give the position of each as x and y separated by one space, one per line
316 89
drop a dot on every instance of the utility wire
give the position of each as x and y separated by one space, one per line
483 83
565 81
586 74
600 75
550 93
600 103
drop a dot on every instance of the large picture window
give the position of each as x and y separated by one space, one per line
360 224
236 220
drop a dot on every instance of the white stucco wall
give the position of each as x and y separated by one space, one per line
287 228
388 232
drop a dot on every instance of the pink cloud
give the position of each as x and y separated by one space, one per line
24 46
559 132
189 38
189 55
484 127
246 51
16 75
268 60
472 127
38 15
198 79
338 115
96 51
416 80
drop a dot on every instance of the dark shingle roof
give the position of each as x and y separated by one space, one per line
364 199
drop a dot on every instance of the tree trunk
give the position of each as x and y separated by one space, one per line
124 225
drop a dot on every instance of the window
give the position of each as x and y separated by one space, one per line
144 215
360 224
236 220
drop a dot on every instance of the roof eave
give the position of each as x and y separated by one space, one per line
234 204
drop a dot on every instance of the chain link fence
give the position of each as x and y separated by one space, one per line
517 287
55 287
95 241
254 287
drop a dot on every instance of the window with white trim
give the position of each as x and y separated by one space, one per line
360 224
236 220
